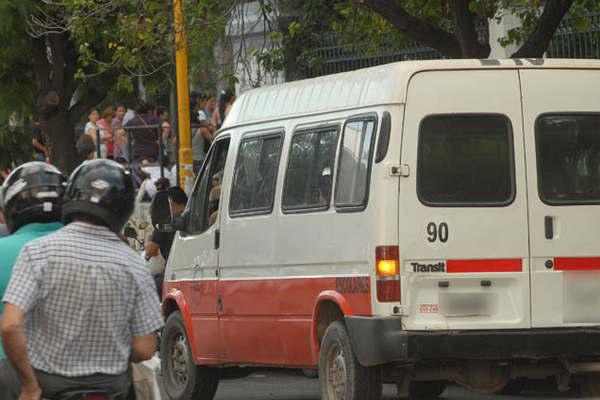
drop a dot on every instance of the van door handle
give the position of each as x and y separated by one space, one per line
549 227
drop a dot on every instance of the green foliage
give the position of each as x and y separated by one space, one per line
17 83
529 11
15 145
363 31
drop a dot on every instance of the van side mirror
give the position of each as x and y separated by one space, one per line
161 213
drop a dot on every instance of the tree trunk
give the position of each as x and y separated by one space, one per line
61 138
537 43
466 31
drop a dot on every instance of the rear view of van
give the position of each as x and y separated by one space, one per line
498 228
416 223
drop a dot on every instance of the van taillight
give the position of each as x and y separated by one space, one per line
387 265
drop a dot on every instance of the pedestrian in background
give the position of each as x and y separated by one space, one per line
128 116
92 130
210 106
144 134
120 139
226 100
105 125
31 198
121 146
197 108
38 141
167 142
201 140
117 121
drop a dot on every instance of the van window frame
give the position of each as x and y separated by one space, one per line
278 133
365 117
299 131
511 156
557 203
188 231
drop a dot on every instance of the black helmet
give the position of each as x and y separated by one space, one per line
101 191
33 192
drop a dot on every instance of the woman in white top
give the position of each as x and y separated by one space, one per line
94 131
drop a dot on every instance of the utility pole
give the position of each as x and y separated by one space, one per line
186 175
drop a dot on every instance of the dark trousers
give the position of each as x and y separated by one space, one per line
116 385
52 385
10 386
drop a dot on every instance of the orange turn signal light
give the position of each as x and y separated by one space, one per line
387 260
387 267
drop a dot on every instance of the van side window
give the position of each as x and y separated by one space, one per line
465 160
568 157
204 204
352 183
310 170
255 175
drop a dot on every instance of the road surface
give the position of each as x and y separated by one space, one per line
291 385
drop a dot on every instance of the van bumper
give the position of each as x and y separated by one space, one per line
377 341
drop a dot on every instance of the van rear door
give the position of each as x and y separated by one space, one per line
561 110
463 235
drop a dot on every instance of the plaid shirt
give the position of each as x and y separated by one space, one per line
86 295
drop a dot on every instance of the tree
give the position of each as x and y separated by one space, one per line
455 28
464 42
62 57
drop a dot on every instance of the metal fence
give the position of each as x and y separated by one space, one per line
337 58
570 43
129 160
567 43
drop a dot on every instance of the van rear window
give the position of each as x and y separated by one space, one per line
568 158
465 160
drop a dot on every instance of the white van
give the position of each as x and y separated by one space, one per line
414 223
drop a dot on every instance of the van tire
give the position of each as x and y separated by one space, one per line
182 379
590 386
340 374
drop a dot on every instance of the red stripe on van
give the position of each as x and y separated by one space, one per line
493 265
577 264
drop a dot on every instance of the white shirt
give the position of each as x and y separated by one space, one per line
129 115
95 137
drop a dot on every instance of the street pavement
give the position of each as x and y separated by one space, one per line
292 385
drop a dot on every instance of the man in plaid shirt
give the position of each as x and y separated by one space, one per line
81 305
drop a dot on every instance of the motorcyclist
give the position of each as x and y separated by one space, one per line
160 243
31 202
89 299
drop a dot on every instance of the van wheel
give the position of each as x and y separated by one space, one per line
513 387
182 379
340 374
590 386
426 390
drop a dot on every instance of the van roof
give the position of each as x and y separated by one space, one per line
384 84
